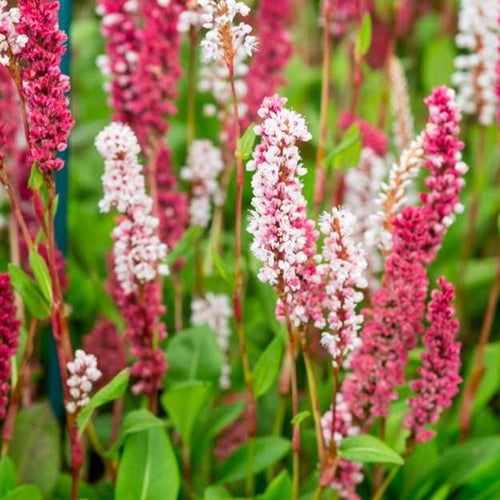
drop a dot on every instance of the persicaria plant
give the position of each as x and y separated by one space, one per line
239 256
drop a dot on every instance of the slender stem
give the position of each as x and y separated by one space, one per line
383 487
186 469
313 396
379 468
96 442
117 417
479 367
325 98
191 107
8 427
318 492
178 292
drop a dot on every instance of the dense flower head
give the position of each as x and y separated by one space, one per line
347 474
9 338
400 104
476 75
138 251
370 136
224 37
10 39
204 165
344 264
158 69
105 343
83 373
362 186
142 311
284 238
393 323
9 122
215 311
265 74
123 180
342 13
439 371
444 162
193 18
44 86
120 29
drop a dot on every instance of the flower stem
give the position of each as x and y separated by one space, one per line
319 190
383 487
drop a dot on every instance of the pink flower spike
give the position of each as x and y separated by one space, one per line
9 338
44 86
439 371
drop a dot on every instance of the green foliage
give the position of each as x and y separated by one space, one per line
8 475
267 368
368 449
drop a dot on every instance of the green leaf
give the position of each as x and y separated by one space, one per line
184 244
280 488
41 273
35 447
25 492
194 354
35 180
8 475
216 492
346 154
148 469
300 417
437 63
221 269
135 421
246 143
364 38
184 403
114 390
29 292
267 451
366 449
267 367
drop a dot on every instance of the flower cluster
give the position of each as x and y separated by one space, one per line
9 338
204 164
83 374
120 29
344 264
362 186
10 40
342 13
138 252
393 323
476 75
215 311
105 343
265 74
9 123
444 161
347 474
44 85
284 238
400 103
194 17
439 372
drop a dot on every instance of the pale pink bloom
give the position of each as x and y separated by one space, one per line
10 40
83 373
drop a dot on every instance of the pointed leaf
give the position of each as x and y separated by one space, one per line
41 273
267 368
365 449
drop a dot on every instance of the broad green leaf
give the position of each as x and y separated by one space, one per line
184 403
148 469
8 475
300 417
194 354
280 488
25 492
216 492
246 143
35 180
135 421
267 367
365 449
114 390
35 447
29 292
183 245
266 451
221 268
41 273
364 38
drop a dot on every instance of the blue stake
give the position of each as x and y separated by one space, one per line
61 222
